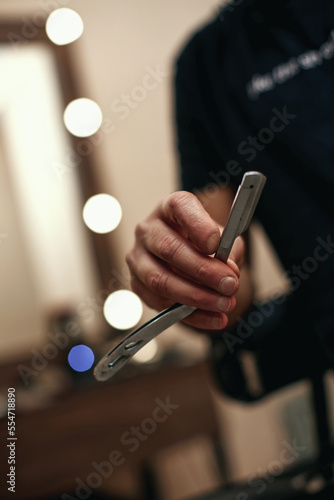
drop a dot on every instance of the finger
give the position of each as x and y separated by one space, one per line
162 281
203 320
235 268
238 251
151 299
169 246
206 321
184 209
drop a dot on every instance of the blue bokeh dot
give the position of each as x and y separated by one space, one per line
80 358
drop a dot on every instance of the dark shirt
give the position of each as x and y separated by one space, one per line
255 91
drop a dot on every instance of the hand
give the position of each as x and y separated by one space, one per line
172 262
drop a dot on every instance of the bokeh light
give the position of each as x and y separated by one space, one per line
82 117
102 213
64 26
146 353
123 309
80 358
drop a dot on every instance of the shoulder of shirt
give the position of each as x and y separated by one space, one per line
204 39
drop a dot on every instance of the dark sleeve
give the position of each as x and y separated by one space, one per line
197 155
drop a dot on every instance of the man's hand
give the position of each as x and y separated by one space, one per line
172 262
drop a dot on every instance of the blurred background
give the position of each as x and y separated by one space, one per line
87 129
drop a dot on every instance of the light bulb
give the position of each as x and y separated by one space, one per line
123 309
102 213
64 26
82 117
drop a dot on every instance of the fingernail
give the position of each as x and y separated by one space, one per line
228 285
216 323
223 303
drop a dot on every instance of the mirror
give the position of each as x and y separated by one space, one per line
47 262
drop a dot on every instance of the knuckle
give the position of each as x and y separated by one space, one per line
141 230
158 282
177 200
202 271
200 222
168 247
196 298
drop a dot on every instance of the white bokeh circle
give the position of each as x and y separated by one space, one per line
83 117
146 353
123 309
102 213
64 26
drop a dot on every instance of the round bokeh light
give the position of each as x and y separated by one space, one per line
80 358
102 213
146 353
82 117
123 309
64 26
